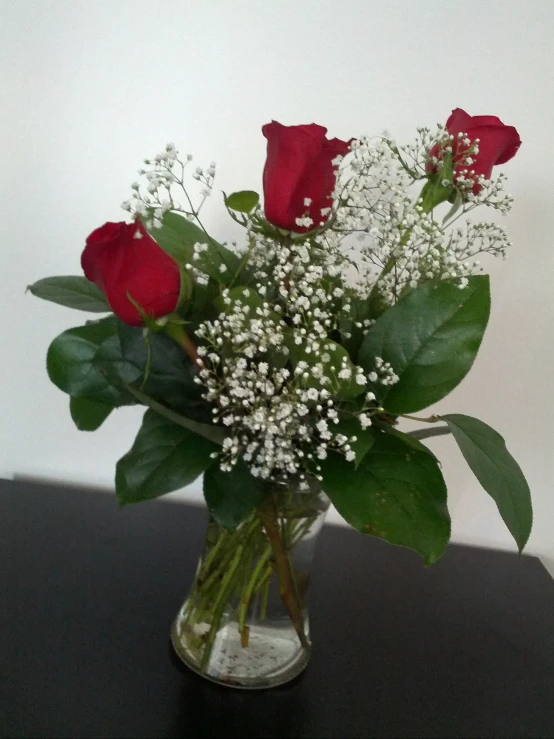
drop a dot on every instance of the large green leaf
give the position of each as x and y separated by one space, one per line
70 363
101 360
169 372
397 494
177 236
232 496
430 338
201 306
408 439
497 471
88 415
73 291
164 457
208 431
365 438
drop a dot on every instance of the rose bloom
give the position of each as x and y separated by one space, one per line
498 143
125 261
299 175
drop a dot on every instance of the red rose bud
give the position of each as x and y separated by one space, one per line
124 260
497 143
299 175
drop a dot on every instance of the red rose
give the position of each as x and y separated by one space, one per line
124 260
497 143
299 168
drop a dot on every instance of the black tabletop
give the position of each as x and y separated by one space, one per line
464 648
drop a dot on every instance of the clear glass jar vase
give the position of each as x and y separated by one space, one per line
245 621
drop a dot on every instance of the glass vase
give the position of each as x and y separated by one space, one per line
245 621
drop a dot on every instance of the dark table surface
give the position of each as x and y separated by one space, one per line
88 592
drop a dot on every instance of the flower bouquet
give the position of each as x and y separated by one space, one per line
281 367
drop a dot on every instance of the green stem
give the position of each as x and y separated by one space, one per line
206 564
242 264
219 607
265 599
431 419
427 433
178 334
286 588
247 595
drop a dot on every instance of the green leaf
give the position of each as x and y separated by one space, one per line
497 471
213 433
243 201
431 338
200 307
408 439
171 372
396 494
164 457
88 415
434 193
70 363
352 335
232 496
365 438
162 371
457 202
177 237
73 292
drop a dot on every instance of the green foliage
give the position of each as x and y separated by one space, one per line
167 373
243 201
365 438
72 292
164 457
88 415
497 471
435 192
408 439
431 338
177 237
201 306
352 335
397 494
232 496
100 360
208 431
70 363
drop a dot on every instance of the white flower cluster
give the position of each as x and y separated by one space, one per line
280 422
396 236
383 373
165 174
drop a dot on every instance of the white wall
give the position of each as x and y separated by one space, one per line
90 88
